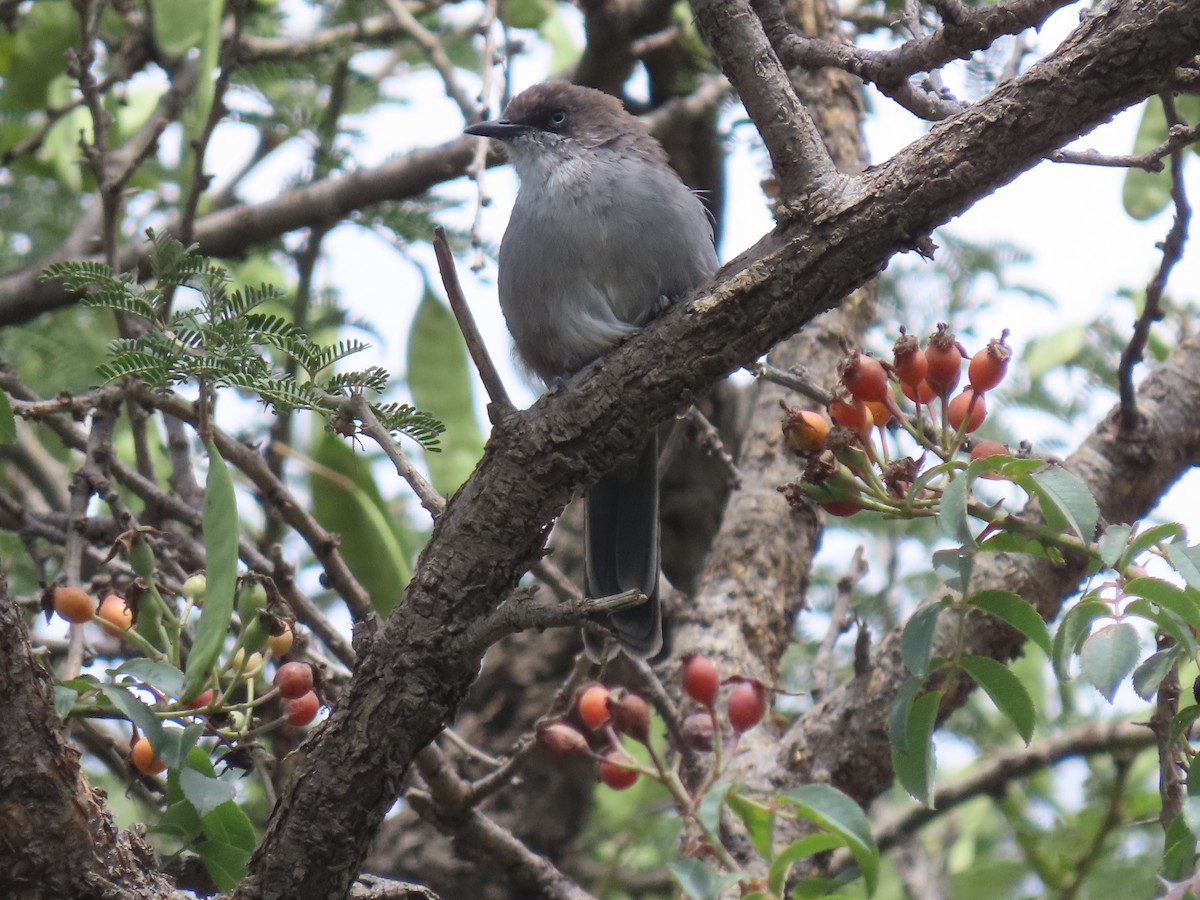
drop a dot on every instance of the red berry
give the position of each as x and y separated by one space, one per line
201 701
630 714
116 614
294 679
908 360
616 771
851 414
747 705
701 680
841 507
301 710
561 739
864 377
593 705
880 414
989 365
697 730
969 407
945 361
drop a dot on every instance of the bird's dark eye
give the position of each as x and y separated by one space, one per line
558 118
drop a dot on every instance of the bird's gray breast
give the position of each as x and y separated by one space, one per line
590 249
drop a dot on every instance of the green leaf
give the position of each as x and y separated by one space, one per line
952 511
1017 612
8 423
899 713
205 792
440 380
1108 656
709 811
141 714
1054 350
230 825
1181 722
64 700
1075 626
698 881
1149 538
915 768
1146 194
1071 497
220 521
180 821
226 864
758 819
1179 851
1005 690
1167 622
954 567
177 744
806 846
916 643
375 543
1184 603
164 676
835 813
1111 543
1149 675
1186 561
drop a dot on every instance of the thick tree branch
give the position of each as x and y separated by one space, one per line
418 671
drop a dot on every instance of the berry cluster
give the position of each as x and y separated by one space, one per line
611 713
848 469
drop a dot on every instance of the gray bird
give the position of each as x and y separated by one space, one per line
603 236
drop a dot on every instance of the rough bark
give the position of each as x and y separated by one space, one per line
415 676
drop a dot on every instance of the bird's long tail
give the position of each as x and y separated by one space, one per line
621 540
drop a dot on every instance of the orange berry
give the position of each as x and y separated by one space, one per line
880 414
804 431
840 507
908 360
984 449
73 604
989 365
945 361
201 701
593 705
851 414
144 759
920 392
279 644
969 407
116 613
864 377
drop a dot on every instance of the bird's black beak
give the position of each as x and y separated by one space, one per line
500 129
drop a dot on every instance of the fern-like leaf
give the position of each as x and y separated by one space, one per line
411 422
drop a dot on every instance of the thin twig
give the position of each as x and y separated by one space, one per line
500 405
1178 137
428 41
840 619
794 380
1172 252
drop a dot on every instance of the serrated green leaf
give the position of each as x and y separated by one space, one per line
1184 603
1149 675
440 379
220 524
64 700
230 825
758 819
1005 690
1075 626
180 821
205 792
952 511
1167 622
1108 656
1149 538
1179 851
1112 542
1071 497
1181 722
141 714
1017 612
915 768
162 675
1186 561
835 813
954 567
916 643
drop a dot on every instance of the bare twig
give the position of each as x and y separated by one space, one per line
840 619
500 405
793 380
1178 137
1172 252
428 41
